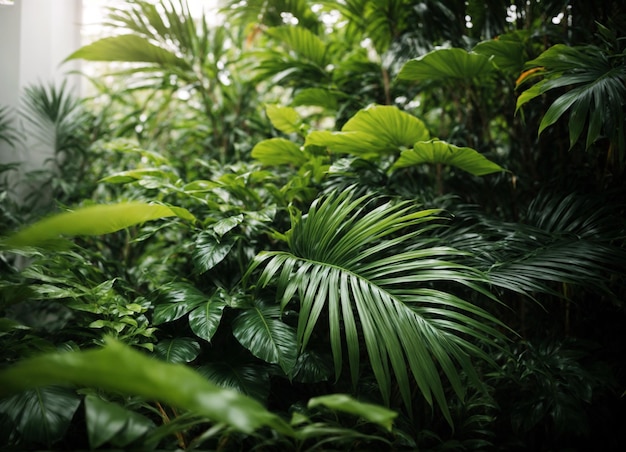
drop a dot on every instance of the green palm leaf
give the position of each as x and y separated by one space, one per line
365 267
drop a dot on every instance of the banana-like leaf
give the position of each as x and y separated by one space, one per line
343 402
261 331
116 367
372 131
447 64
41 415
92 220
436 151
285 119
366 269
279 151
177 350
110 422
127 48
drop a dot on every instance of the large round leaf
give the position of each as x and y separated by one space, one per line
447 64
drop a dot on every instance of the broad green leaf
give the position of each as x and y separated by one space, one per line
447 65
261 331
116 367
285 119
177 350
250 379
343 402
312 367
41 415
205 319
92 220
127 48
210 251
507 54
174 300
317 96
279 151
373 131
436 151
110 422
225 225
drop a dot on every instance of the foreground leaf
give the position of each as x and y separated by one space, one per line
118 368
92 220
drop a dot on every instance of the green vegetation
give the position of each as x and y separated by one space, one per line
356 225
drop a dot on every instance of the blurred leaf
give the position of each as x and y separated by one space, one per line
177 350
316 96
117 367
127 48
285 119
210 251
109 422
312 367
92 220
342 402
261 331
436 151
507 54
40 415
227 224
279 151
303 42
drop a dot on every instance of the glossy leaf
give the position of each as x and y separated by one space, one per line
210 251
177 350
436 151
117 367
174 300
447 65
261 331
227 224
41 415
110 422
92 220
279 151
205 319
343 402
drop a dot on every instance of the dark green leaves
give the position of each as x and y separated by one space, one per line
177 350
210 250
109 422
261 331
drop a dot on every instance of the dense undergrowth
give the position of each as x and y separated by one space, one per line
353 225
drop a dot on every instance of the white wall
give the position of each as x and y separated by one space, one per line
35 37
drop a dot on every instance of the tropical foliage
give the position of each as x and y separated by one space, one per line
347 225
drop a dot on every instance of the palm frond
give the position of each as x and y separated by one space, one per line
363 264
